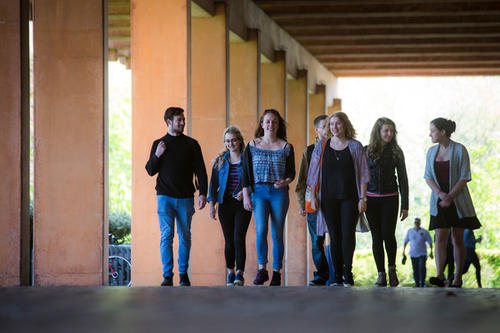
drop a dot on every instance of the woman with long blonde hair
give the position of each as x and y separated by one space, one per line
225 195
341 168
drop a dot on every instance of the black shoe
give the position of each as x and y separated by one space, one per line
436 281
261 277
167 281
348 280
184 280
239 280
276 280
337 282
317 282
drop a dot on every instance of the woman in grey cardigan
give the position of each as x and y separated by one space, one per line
447 171
343 175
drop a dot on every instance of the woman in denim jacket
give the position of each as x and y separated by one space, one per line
226 190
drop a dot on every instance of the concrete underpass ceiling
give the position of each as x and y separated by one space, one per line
395 37
373 37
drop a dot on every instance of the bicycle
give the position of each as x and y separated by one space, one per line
119 267
119 271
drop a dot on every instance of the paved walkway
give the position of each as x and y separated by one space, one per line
248 309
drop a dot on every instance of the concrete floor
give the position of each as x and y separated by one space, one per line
248 309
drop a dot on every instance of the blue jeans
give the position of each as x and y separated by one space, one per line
317 247
268 200
419 270
169 210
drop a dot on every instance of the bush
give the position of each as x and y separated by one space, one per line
365 271
119 226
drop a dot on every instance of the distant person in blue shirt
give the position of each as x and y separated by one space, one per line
470 246
417 237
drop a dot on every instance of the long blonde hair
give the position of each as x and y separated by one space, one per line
235 130
350 132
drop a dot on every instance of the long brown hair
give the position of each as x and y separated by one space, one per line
235 130
281 133
376 145
350 132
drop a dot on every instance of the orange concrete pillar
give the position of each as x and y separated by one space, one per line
273 84
70 142
160 37
14 133
297 97
336 106
317 106
244 64
209 40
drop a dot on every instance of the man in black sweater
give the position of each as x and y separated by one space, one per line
176 158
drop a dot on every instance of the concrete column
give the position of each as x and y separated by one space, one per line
244 90
244 78
160 78
273 84
209 69
317 106
297 252
336 106
14 155
70 142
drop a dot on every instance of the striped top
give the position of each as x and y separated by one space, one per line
269 165
233 178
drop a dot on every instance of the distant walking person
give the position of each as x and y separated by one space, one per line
447 171
418 237
226 197
471 257
385 158
321 275
340 166
176 158
269 167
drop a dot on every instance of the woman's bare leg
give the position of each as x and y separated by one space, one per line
459 252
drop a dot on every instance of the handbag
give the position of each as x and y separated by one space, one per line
362 225
308 195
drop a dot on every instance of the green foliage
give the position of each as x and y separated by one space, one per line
485 189
365 271
120 139
119 226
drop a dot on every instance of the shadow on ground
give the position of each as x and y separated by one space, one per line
248 309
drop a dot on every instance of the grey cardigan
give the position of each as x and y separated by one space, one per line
459 170
361 172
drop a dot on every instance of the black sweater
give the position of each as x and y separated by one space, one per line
182 158
383 176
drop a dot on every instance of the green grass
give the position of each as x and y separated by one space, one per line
365 271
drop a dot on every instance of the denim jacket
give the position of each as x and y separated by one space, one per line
219 179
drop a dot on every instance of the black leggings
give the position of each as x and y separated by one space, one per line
234 220
382 215
341 217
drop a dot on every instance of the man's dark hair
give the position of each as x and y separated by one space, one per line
318 119
171 112
417 219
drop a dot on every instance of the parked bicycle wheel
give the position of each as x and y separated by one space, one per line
119 271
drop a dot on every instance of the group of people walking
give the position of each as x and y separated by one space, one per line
339 180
